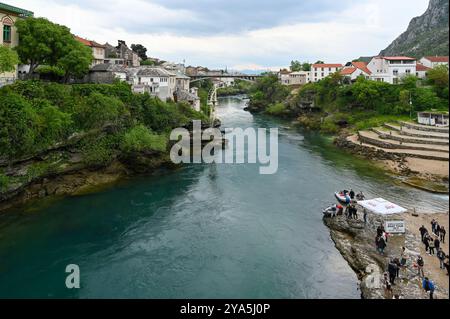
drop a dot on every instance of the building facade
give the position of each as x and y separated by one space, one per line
391 69
98 50
353 70
9 36
434 61
320 71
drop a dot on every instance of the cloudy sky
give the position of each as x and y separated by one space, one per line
239 34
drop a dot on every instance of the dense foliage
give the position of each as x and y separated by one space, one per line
45 43
361 103
36 116
8 59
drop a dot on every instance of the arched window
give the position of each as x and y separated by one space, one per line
7 29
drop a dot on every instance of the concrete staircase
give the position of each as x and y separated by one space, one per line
406 140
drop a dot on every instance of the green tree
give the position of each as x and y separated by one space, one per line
295 66
306 66
140 50
76 61
42 42
8 59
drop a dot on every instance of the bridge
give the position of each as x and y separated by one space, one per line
244 77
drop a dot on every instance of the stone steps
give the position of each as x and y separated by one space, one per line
370 137
416 133
396 136
439 156
426 128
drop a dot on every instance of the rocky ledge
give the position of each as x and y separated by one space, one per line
355 240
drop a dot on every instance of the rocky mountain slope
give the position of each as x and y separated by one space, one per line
426 35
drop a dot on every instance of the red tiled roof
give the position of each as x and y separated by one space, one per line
348 71
397 58
88 42
325 65
421 67
362 66
437 58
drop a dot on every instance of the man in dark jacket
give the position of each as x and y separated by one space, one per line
352 194
423 231
441 256
392 270
437 243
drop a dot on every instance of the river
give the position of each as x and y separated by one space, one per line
203 231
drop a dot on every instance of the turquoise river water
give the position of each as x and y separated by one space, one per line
203 231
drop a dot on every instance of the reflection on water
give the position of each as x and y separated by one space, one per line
204 231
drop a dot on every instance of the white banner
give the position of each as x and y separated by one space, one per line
395 226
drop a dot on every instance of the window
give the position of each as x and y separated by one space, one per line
395 72
7 33
408 71
329 69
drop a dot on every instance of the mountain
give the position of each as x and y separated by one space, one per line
426 35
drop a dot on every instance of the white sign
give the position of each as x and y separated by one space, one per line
395 226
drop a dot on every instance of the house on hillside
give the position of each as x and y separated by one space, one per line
391 69
98 50
106 73
190 97
320 71
353 70
121 54
433 61
8 34
156 81
422 71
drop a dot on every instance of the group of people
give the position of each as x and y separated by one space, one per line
432 242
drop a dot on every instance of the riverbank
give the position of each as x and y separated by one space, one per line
356 243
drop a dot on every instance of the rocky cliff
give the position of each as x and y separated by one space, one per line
426 35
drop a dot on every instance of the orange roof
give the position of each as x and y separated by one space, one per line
348 71
362 66
88 42
325 65
421 67
437 58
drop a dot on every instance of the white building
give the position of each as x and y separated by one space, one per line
391 69
422 71
433 61
155 81
353 70
321 71
294 78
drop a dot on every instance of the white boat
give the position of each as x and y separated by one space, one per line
344 199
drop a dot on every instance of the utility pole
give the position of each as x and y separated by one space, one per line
410 106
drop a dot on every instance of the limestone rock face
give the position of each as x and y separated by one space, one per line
426 35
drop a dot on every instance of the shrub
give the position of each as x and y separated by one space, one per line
141 139
276 109
4 182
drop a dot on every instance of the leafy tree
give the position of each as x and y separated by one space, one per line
140 50
8 59
438 77
306 66
76 61
319 62
296 66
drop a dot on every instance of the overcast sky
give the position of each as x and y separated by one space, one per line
239 34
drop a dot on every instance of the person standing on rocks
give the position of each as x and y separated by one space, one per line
365 216
426 241
428 285
441 256
420 264
442 233
392 270
437 243
423 231
381 244
433 225
352 194
431 246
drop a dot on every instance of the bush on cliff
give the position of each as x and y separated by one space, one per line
141 139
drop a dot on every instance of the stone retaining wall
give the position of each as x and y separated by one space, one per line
384 135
